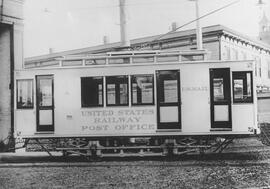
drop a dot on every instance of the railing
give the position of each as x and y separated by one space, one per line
126 57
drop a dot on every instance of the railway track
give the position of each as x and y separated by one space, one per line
254 154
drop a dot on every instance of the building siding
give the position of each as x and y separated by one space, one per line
234 50
11 52
5 80
213 48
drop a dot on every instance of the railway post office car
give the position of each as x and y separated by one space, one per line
147 102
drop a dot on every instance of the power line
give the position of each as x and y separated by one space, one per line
205 15
116 6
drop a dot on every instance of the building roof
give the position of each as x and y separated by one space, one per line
210 30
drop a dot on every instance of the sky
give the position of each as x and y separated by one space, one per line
71 24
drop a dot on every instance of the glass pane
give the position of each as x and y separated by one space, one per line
242 84
134 93
117 90
168 58
72 63
100 92
191 57
147 93
119 61
221 113
45 92
249 93
142 89
170 91
123 94
218 89
92 91
25 94
95 61
143 59
238 89
169 114
45 117
111 94
268 63
228 53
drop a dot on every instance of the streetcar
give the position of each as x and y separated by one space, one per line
135 103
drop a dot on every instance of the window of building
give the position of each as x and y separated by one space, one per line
228 53
242 87
244 55
234 54
258 66
92 91
256 69
117 90
25 94
142 89
268 63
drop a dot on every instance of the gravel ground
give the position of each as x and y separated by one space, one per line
140 175
249 169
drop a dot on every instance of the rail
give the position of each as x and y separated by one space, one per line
121 57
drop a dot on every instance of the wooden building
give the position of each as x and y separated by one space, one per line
222 43
11 48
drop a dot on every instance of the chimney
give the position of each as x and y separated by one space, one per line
51 50
105 39
174 26
123 24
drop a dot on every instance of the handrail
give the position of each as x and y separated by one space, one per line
133 53
123 57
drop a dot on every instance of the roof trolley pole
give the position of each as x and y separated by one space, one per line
198 27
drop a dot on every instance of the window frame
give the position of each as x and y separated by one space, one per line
255 65
117 82
258 66
228 52
93 106
268 69
245 101
153 89
17 94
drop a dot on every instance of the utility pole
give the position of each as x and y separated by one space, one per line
123 24
198 27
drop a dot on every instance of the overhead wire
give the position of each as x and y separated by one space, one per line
177 28
162 35
116 6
